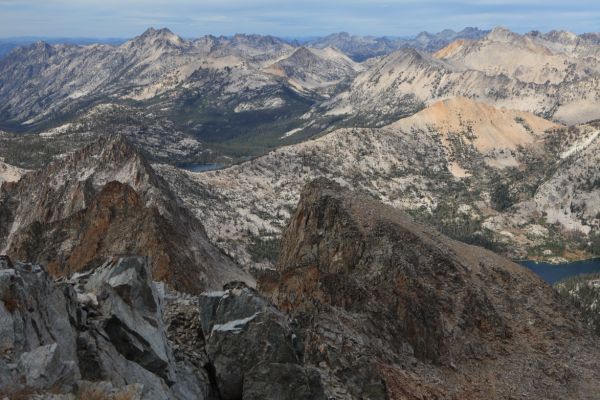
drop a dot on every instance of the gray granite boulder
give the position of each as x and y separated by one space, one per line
251 347
104 325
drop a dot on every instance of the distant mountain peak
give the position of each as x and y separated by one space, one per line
162 36
562 36
302 51
423 35
257 40
500 29
40 47
339 35
408 55
156 32
502 34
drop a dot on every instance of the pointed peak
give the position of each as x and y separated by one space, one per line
303 51
423 35
562 36
151 32
300 56
39 47
448 32
409 53
111 150
158 36
116 146
501 34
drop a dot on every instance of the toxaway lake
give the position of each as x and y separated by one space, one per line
200 167
553 273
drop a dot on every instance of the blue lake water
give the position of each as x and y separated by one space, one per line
195 167
552 273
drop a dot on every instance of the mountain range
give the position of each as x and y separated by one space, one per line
504 179
246 94
250 217
9 44
361 48
497 106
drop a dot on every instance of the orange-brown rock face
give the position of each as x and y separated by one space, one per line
106 201
401 312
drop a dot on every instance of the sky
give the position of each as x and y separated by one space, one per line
299 18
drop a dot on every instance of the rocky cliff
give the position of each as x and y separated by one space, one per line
392 309
106 200
365 304
113 333
97 333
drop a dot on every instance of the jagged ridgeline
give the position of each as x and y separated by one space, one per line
102 201
209 75
248 89
244 95
364 304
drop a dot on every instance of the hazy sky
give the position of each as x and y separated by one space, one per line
127 18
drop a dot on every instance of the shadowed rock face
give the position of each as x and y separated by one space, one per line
102 201
113 329
396 310
252 348
100 328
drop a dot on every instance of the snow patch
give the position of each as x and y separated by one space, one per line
218 293
267 104
234 326
579 145
77 94
290 133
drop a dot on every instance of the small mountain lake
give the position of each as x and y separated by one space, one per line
200 167
553 273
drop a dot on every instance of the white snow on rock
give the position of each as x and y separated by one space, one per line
10 173
580 145
290 133
234 326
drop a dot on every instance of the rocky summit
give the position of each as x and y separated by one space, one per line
364 303
106 200
390 309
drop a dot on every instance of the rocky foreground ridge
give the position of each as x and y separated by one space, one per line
364 304
421 315
115 334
